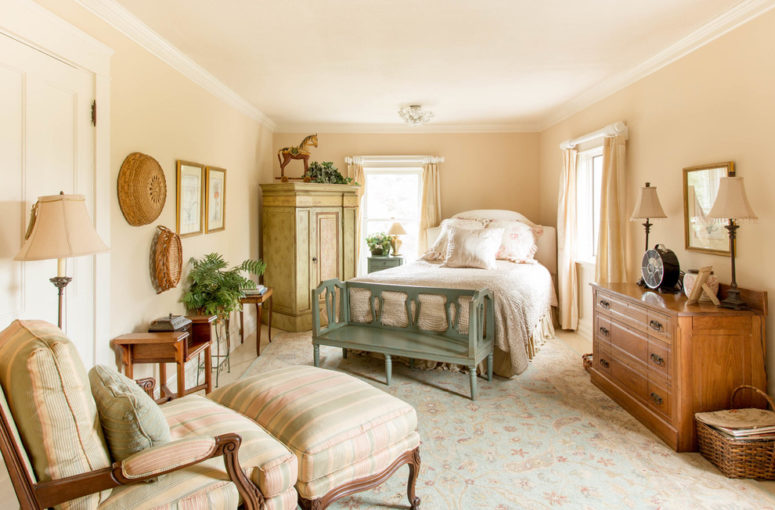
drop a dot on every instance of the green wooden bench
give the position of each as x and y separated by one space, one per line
449 346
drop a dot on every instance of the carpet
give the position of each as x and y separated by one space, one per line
545 439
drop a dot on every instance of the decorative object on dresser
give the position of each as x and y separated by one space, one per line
166 259
190 186
381 262
695 283
700 185
648 206
395 232
60 228
308 235
286 154
664 360
660 269
215 199
258 299
732 204
142 189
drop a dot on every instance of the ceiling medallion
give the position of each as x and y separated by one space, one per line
414 115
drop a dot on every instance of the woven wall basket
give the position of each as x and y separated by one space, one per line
142 189
166 259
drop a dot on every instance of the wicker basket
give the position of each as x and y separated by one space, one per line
738 458
166 259
142 189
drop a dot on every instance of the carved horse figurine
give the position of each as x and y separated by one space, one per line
286 154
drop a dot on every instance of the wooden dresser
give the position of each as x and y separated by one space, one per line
663 360
308 235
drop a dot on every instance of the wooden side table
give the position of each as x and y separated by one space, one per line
378 263
169 347
259 302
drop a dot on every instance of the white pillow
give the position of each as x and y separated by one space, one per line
439 249
519 240
473 248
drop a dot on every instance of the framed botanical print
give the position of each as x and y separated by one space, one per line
215 199
190 185
701 183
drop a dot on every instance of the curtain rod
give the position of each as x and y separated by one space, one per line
392 160
615 129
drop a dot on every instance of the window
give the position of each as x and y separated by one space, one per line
588 184
393 194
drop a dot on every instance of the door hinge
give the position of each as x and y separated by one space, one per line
94 112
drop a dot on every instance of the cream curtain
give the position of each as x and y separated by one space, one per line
566 242
611 265
430 210
355 170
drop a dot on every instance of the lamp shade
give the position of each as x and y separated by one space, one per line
60 227
648 205
731 201
396 229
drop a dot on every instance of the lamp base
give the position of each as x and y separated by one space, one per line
733 300
60 282
395 244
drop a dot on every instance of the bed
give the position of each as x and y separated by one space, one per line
523 292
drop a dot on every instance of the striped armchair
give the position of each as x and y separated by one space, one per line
53 445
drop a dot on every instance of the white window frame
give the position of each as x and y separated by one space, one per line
587 222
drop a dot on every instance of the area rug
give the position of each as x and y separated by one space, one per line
545 439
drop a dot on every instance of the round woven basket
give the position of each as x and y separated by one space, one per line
142 189
166 259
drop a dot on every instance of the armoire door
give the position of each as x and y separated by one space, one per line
326 245
46 146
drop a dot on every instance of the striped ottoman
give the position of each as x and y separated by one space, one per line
347 435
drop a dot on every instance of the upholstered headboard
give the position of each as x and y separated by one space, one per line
547 243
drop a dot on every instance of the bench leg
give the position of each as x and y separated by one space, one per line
388 368
344 353
472 376
411 363
316 354
489 367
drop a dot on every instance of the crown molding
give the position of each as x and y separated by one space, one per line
731 19
401 128
131 26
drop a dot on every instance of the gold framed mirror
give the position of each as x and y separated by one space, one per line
701 184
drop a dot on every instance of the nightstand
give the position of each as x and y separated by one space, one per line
378 263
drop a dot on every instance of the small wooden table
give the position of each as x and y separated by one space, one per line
169 347
259 301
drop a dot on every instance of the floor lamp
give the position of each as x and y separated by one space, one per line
732 204
60 228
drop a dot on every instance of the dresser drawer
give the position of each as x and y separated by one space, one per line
635 383
602 328
629 313
633 342
602 357
659 358
659 399
659 325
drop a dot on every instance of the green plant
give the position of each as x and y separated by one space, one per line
326 173
214 290
378 243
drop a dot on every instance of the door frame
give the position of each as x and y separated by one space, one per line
37 27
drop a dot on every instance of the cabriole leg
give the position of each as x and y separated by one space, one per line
414 472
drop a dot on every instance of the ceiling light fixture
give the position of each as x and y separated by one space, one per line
414 115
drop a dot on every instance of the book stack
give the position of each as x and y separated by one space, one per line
260 290
742 424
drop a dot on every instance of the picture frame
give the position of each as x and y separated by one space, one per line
189 198
700 186
215 199
699 285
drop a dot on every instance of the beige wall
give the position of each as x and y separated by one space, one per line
158 111
481 170
716 104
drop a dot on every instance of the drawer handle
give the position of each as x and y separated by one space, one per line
315 260
604 331
604 363
656 398
656 358
655 325
605 304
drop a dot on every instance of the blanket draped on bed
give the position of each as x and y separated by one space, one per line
523 295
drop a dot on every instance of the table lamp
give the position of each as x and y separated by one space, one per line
396 229
732 204
60 228
648 206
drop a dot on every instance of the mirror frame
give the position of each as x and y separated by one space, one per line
730 166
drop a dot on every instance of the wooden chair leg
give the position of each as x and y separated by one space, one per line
489 367
316 355
472 376
388 368
414 473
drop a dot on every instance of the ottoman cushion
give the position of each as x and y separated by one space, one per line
338 426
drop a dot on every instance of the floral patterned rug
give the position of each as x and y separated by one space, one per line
545 439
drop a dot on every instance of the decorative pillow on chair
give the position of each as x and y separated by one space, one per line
130 419
473 248
519 240
439 249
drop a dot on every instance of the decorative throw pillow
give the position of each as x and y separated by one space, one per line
519 240
473 248
130 419
439 249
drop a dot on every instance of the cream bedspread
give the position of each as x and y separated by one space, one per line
523 295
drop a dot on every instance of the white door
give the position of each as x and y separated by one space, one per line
46 146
